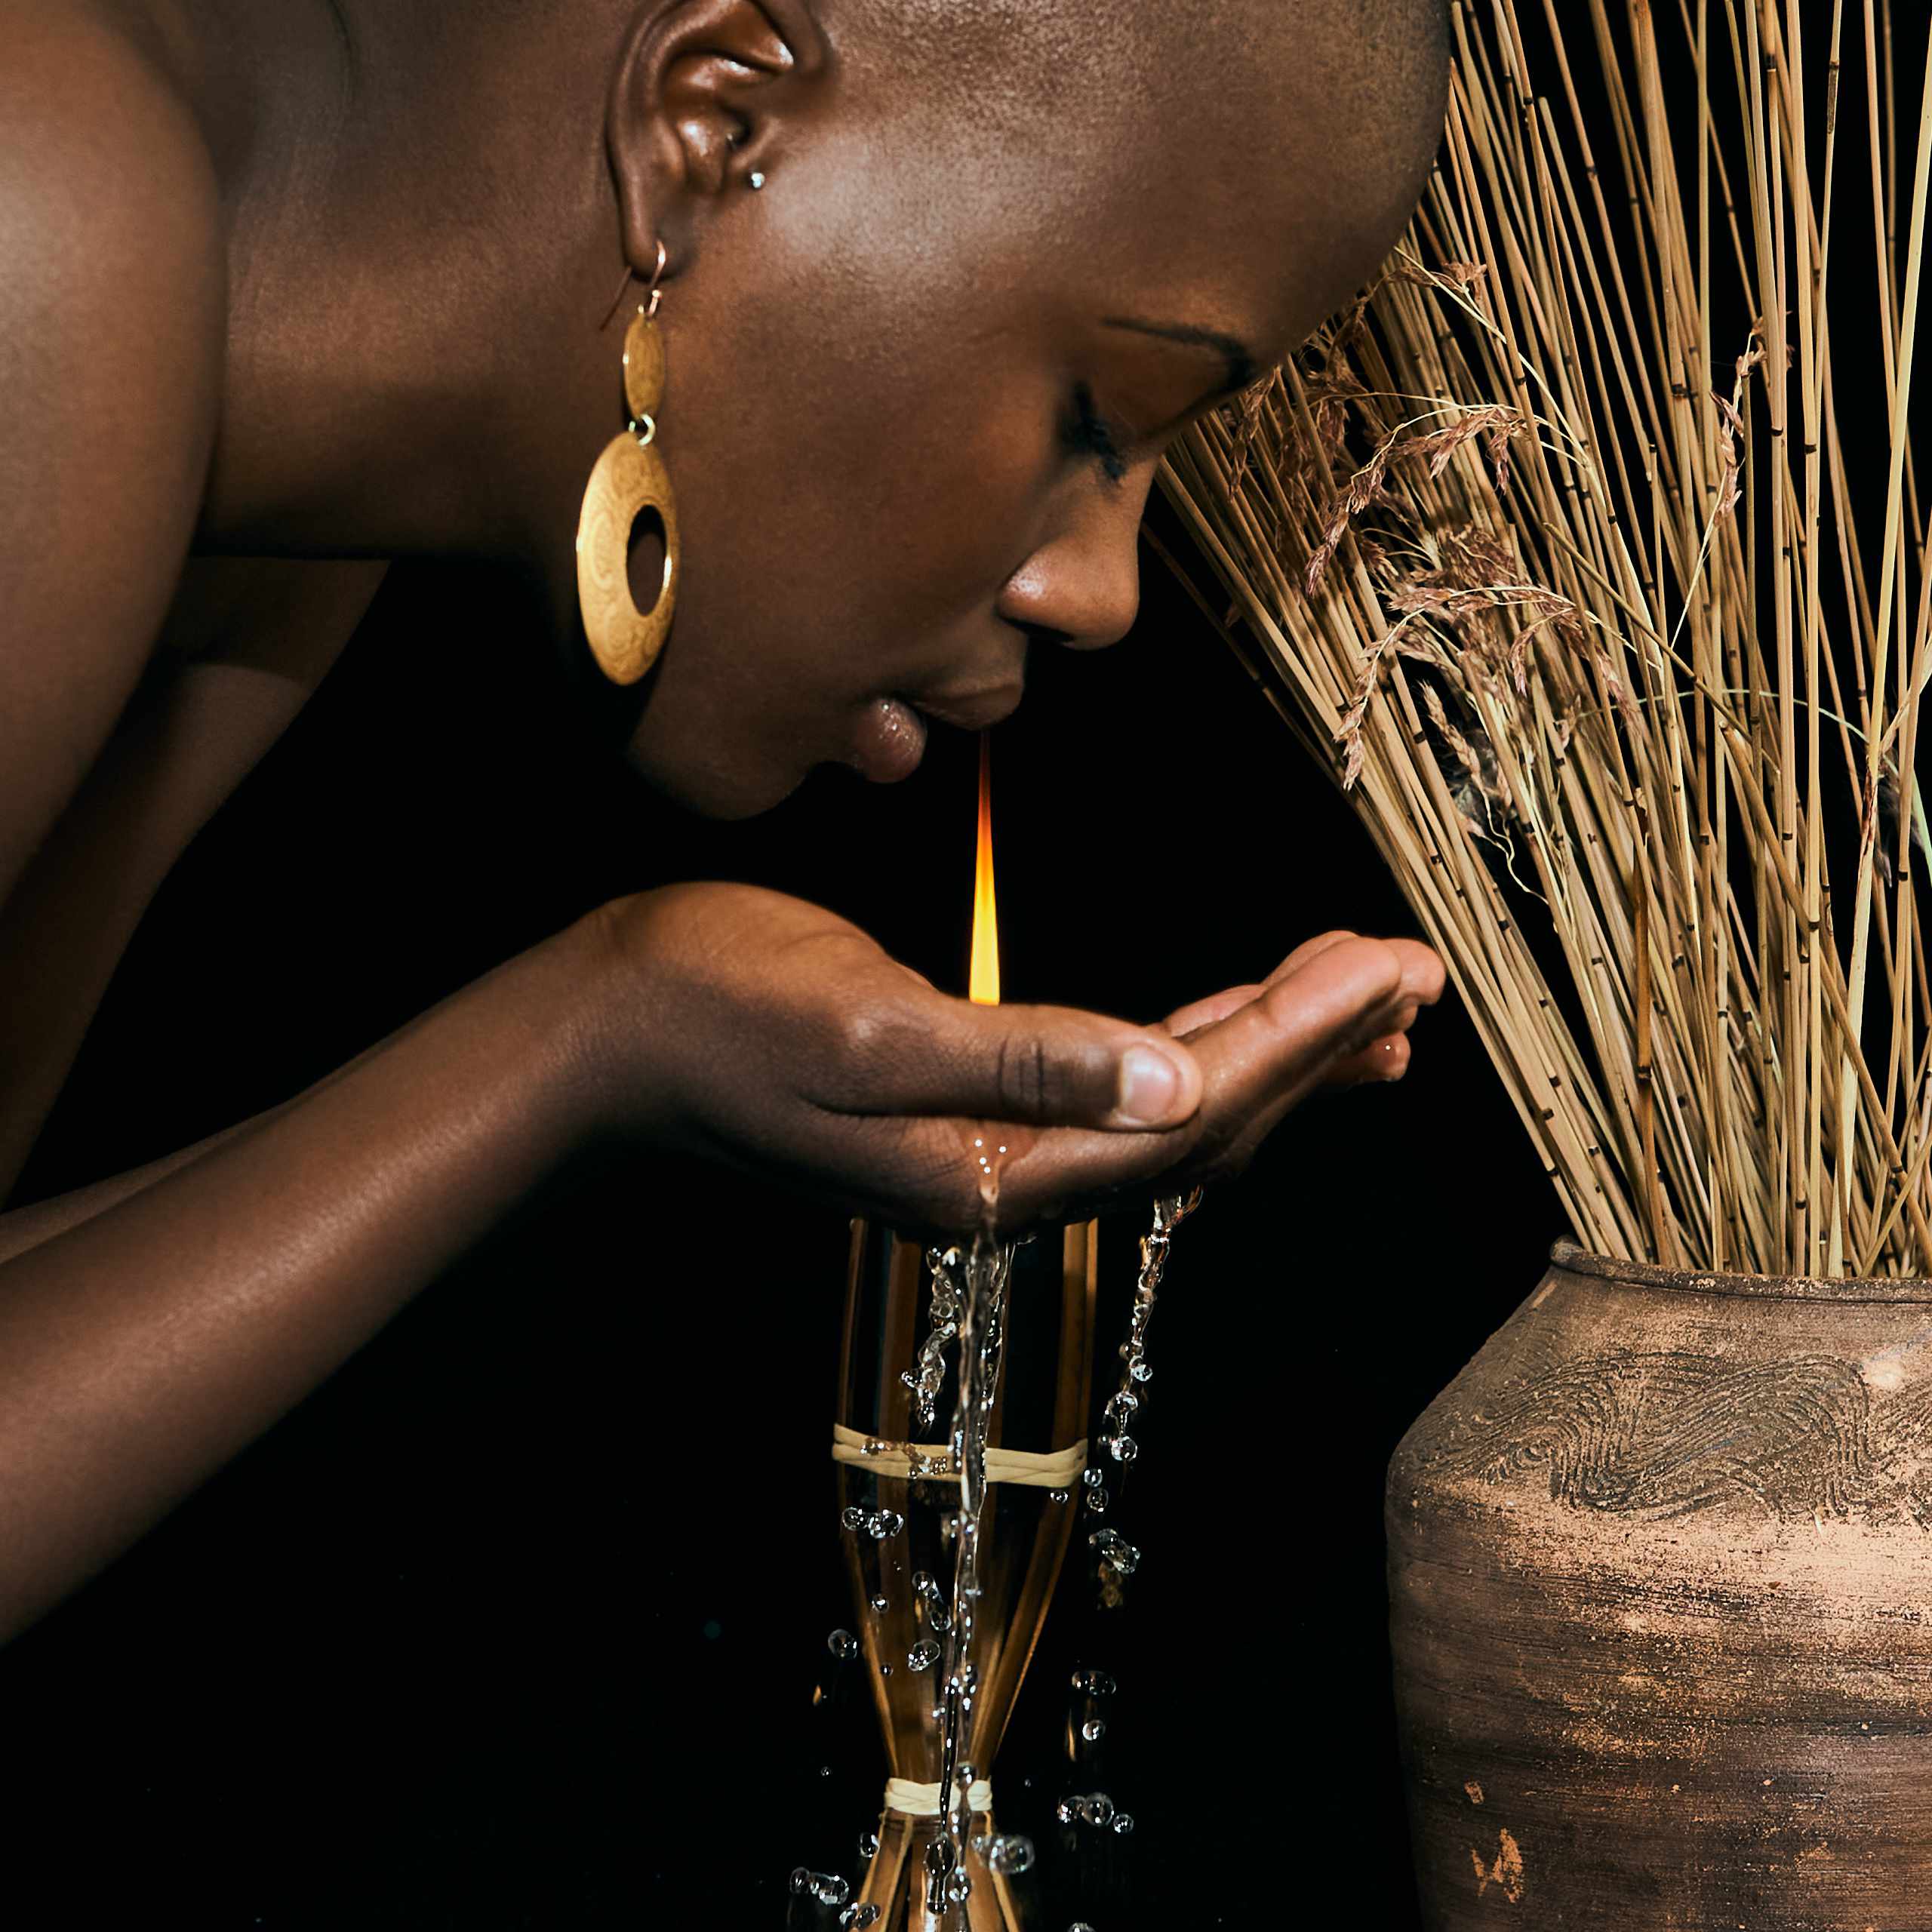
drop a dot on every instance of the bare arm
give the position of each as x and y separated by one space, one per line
263 632
144 1346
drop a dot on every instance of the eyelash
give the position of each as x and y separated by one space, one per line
1087 433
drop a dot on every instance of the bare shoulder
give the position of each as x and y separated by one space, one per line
98 144
112 325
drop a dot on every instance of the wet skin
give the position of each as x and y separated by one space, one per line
356 263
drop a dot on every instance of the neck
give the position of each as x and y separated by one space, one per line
423 245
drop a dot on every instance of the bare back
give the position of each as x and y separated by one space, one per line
137 687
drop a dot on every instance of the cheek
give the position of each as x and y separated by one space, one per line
844 503
845 527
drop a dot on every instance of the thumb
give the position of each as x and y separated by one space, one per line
1044 1065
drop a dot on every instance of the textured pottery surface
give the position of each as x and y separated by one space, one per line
1660 1572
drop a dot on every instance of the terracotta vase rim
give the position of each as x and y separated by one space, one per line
1907 1290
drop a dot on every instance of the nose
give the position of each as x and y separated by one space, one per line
1082 584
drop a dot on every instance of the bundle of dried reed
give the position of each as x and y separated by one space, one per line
1589 549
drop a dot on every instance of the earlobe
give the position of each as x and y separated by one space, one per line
703 90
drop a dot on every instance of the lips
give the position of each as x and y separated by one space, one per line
972 711
891 738
889 742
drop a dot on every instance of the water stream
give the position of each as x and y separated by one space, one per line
977 1279
969 1284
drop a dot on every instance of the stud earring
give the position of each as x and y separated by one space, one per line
630 478
757 178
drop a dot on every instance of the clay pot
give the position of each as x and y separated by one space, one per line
1660 1573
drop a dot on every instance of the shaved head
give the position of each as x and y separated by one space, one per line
1308 126
1371 74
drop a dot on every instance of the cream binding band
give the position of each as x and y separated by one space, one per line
922 1801
1057 1469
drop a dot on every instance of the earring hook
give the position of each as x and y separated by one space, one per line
657 275
653 291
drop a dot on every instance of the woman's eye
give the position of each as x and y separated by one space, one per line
1088 433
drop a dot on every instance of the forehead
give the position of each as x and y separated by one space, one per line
1255 241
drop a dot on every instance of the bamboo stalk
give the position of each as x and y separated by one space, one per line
1570 624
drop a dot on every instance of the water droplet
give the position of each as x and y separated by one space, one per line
923 1655
1010 1855
1093 1478
1094 1683
868 1845
1122 1448
959 1888
1094 1730
878 1446
1116 1551
853 1517
1142 1370
827 1888
1123 1822
858 1916
880 1605
1096 1808
1080 1925
1097 1500
885 1523
1057 1495
842 1643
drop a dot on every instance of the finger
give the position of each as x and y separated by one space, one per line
1387 1058
1422 970
1309 949
1381 1063
907 1051
1335 1003
1255 1065
1217 1007
1209 1012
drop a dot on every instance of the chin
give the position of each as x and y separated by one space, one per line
710 788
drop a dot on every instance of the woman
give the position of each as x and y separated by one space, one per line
293 288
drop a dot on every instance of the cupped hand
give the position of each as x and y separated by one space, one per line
767 1032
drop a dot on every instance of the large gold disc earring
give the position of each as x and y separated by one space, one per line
630 478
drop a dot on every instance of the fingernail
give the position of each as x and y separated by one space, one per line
1149 1084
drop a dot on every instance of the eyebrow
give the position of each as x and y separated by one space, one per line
1242 367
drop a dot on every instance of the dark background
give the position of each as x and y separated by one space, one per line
518 1621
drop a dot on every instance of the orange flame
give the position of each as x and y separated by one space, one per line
982 984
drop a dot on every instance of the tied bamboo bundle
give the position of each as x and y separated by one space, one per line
1588 550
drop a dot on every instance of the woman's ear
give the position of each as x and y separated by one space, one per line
703 90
